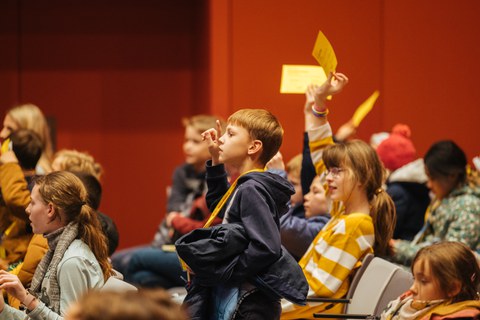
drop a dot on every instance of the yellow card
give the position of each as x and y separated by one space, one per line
6 145
296 78
324 54
364 108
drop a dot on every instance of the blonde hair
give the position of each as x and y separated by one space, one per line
67 194
202 122
144 304
29 116
294 166
73 160
363 163
261 125
451 261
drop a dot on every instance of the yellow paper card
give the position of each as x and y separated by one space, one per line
296 78
324 54
6 145
364 108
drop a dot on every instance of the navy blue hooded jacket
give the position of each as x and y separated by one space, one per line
258 202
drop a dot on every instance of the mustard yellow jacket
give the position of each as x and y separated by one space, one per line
15 197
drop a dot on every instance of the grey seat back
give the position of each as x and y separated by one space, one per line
380 283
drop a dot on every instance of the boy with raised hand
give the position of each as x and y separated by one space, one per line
254 202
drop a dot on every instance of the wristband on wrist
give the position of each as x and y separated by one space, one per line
28 300
319 114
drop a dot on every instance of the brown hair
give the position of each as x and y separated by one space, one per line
452 261
29 116
27 147
146 304
365 167
261 125
67 194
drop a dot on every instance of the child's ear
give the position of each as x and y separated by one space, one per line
51 212
455 289
255 147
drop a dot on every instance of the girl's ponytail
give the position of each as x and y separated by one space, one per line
384 218
90 231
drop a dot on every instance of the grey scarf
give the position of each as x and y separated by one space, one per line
58 243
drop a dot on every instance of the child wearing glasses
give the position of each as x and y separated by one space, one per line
354 175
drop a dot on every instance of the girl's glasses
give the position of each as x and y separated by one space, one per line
335 172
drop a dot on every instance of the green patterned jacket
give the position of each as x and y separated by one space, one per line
456 218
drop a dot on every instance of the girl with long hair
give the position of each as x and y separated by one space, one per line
77 259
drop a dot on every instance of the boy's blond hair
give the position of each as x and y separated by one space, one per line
202 122
261 125
73 160
294 166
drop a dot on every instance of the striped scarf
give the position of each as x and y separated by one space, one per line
58 243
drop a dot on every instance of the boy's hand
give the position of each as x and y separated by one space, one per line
211 136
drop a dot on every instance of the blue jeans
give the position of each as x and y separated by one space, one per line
152 267
121 258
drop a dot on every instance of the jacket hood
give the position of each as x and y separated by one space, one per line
411 172
279 188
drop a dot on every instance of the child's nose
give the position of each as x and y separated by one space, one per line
413 288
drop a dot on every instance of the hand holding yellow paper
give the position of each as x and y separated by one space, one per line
324 54
296 78
364 108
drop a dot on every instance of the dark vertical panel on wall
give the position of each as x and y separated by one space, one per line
9 58
117 77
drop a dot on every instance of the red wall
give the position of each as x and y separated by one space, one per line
119 76
423 57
